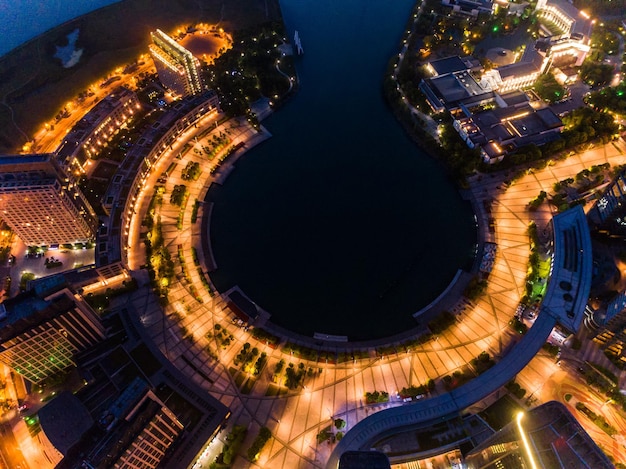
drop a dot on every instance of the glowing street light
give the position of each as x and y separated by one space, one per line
533 464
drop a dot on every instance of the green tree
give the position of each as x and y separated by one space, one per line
595 74
549 89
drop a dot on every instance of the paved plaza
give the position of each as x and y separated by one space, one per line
335 390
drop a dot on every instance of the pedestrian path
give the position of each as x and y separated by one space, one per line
337 390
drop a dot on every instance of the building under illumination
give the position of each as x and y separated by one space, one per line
93 132
178 69
136 431
513 122
568 32
39 337
546 437
41 203
518 75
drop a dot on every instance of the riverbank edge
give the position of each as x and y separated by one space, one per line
447 300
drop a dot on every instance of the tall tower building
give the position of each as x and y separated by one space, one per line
178 69
41 204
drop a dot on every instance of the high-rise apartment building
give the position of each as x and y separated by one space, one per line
178 69
39 337
136 431
41 203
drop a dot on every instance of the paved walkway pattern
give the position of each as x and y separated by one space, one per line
332 390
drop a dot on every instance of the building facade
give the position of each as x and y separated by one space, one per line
156 430
40 202
546 437
39 337
94 131
178 69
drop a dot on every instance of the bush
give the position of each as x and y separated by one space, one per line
258 443
516 389
263 335
376 397
178 195
441 322
518 326
324 435
475 288
233 442
599 420
26 277
553 350
414 391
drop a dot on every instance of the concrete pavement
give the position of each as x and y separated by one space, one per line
295 417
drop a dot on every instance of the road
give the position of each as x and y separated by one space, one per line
51 134
12 456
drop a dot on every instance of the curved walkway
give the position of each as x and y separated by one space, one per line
337 390
364 433
572 261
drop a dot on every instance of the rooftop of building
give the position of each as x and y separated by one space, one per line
514 98
28 310
582 23
64 420
556 440
570 282
448 65
364 460
89 122
85 279
28 169
122 405
457 86
519 124
23 159
530 62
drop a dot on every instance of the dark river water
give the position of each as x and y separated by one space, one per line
339 224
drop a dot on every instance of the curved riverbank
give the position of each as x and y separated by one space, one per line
339 220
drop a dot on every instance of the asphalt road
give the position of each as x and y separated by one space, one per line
11 455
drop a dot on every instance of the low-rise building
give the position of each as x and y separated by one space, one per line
563 15
178 69
136 431
470 7
518 75
453 85
501 130
94 131
546 437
